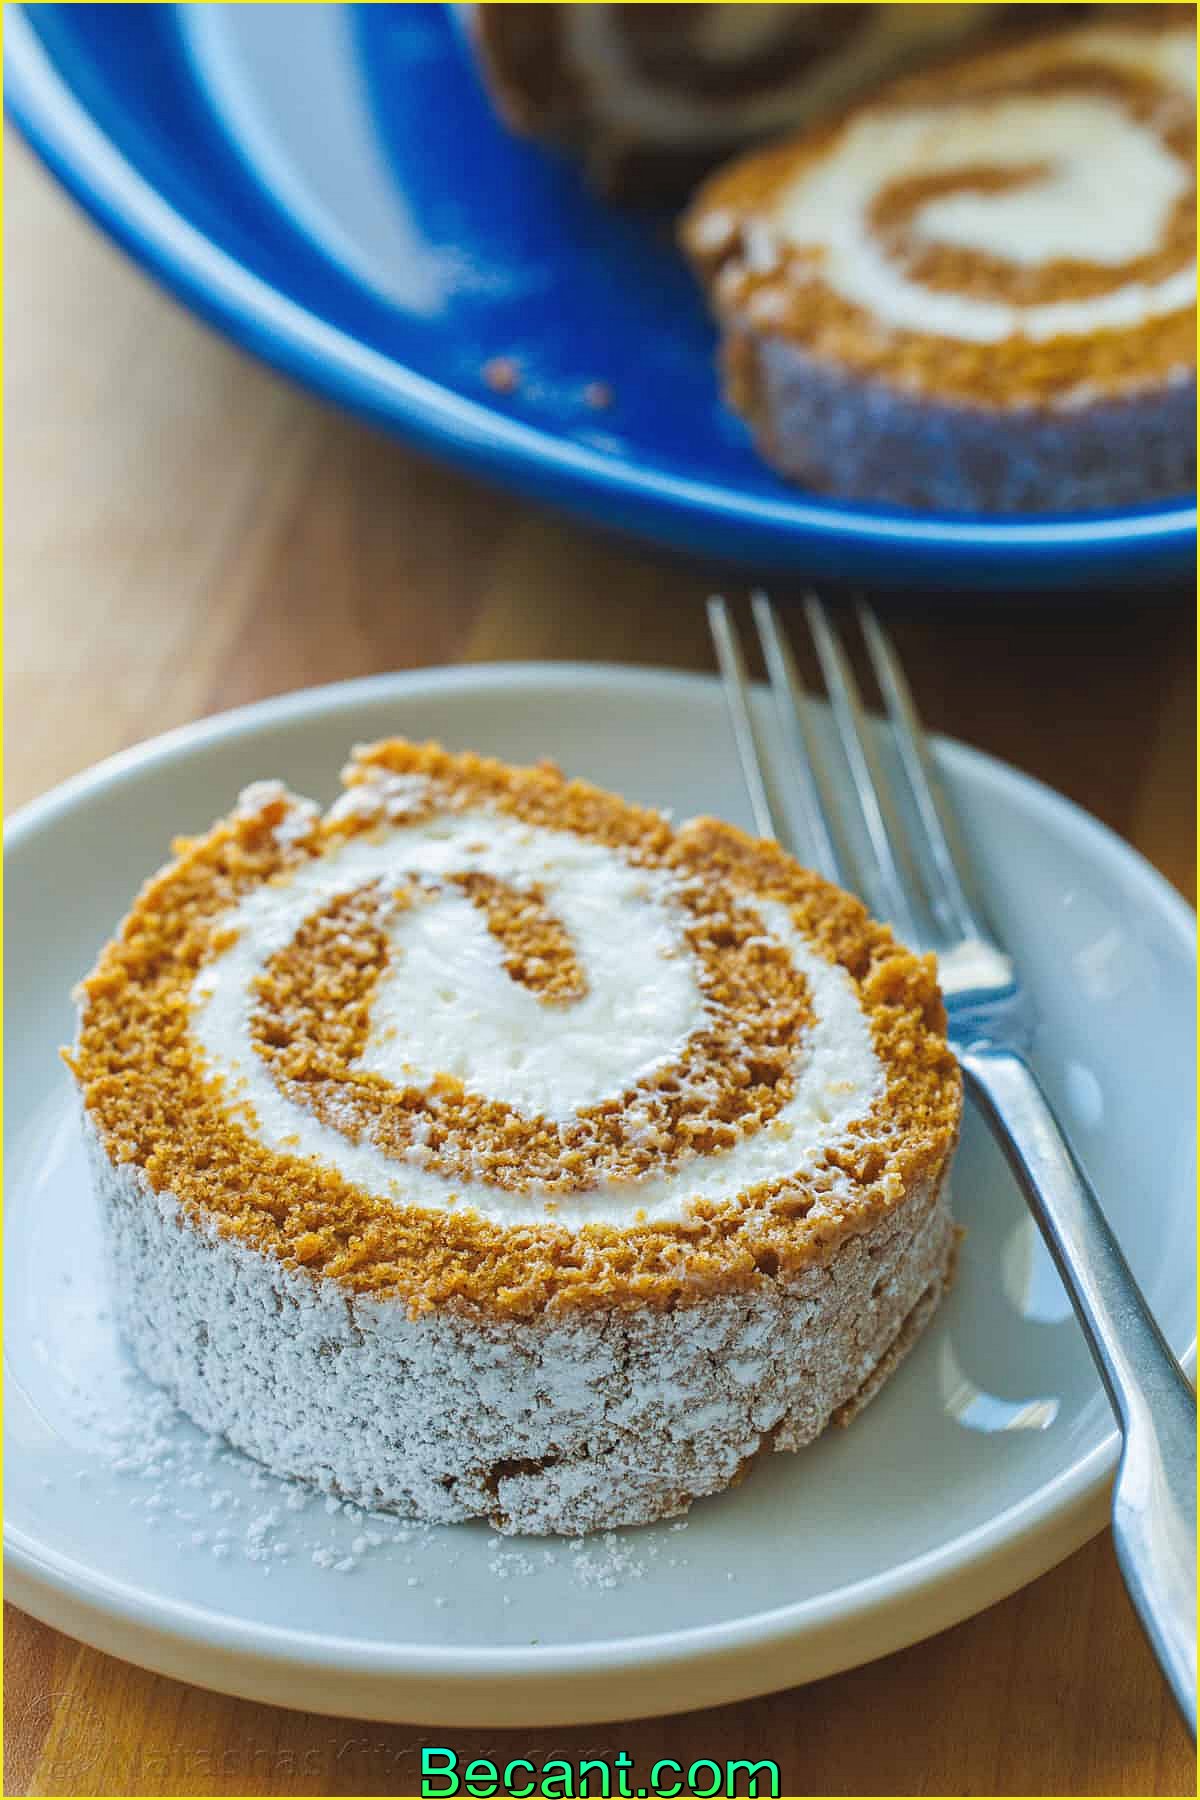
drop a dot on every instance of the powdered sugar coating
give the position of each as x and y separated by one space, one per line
568 1424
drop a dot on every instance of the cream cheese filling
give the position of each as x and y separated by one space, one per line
447 1005
1101 190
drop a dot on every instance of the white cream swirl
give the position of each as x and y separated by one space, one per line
446 1005
1103 192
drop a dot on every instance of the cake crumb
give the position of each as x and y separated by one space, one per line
502 374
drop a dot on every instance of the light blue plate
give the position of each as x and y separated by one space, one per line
328 185
986 1459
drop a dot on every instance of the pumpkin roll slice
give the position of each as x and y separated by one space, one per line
977 291
652 96
486 1146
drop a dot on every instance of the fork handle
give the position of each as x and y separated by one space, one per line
1154 1497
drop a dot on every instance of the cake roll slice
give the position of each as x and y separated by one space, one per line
975 292
652 96
488 1147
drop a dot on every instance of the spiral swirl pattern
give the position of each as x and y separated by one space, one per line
1016 227
469 1011
483 1030
1045 208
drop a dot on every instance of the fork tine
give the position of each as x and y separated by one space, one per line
895 878
733 676
954 891
793 713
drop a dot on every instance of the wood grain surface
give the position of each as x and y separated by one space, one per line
187 532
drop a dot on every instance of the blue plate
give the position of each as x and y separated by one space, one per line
327 184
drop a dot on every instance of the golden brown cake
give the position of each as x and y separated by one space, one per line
976 291
486 1146
651 96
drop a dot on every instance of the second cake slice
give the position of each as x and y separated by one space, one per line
976 292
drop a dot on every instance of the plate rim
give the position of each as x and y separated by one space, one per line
1002 1553
683 513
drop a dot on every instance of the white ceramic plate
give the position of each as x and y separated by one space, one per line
984 1461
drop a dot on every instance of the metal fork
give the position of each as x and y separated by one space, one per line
911 867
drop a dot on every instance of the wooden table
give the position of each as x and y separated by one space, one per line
187 532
